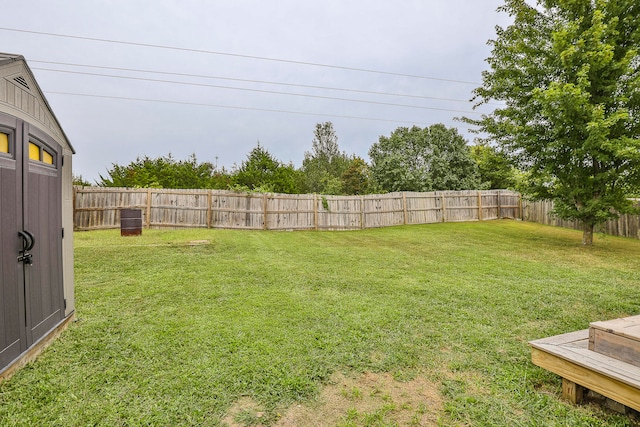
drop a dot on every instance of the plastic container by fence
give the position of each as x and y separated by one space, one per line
130 222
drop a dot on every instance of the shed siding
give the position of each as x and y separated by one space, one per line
3 90
27 105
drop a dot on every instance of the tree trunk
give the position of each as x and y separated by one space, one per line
587 234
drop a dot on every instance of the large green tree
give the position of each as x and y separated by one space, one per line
423 159
568 73
324 165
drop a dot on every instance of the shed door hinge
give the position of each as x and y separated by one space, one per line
63 232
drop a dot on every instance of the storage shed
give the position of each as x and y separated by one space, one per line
36 218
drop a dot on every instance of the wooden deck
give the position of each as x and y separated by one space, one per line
603 358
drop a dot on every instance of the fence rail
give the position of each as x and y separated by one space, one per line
99 208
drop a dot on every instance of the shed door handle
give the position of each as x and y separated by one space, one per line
28 241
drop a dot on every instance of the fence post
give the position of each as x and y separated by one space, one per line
148 221
73 195
499 204
362 213
315 211
209 208
264 208
520 206
479 205
404 207
443 201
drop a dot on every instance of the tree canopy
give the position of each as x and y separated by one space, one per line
161 172
357 178
262 172
423 159
434 158
495 169
568 74
324 165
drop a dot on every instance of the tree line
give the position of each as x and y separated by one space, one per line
410 159
566 77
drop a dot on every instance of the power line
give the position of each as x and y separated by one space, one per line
161 101
237 55
202 76
261 91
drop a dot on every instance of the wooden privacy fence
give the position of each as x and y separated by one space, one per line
540 212
99 208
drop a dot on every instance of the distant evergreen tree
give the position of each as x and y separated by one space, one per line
80 181
262 172
162 172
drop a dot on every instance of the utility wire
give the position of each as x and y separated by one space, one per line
237 55
202 76
161 101
260 91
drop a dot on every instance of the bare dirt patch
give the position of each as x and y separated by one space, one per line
369 399
245 412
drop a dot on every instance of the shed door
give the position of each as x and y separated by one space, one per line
12 306
42 217
31 293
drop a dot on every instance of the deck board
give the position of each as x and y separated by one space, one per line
628 327
570 337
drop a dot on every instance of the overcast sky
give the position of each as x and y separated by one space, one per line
241 71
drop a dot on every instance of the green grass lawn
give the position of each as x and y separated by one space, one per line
173 333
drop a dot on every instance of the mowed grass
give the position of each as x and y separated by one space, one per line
171 331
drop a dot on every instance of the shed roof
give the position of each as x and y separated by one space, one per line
9 59
5 57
